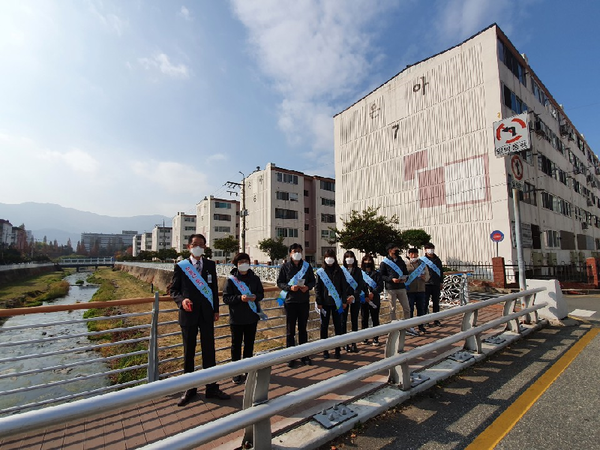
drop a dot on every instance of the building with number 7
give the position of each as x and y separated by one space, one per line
423 146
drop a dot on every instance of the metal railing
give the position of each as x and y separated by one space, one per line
258 408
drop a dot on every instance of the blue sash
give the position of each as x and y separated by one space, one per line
415 273
332 290
191 272
352 282
393 265
431 265
293 282
370 281
244 290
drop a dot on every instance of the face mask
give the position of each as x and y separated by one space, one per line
368 265
397 253
414 260
430 251
349 261
329 261
297 256
197 252
243 267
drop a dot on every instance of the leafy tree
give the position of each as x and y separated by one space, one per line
368 232
275 248
415 238
228 244
167 253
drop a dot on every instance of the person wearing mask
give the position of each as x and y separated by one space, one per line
434 286
332 295
354 278
195 290
243 293
373 287
418 276
393 273
296 278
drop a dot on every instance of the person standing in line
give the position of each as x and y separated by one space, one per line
373 288
418 276
195 290
296 278
393 273
243 293
354 278
434 286
332 295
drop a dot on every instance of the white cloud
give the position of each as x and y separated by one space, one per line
111 21
216 157
173 177
314 51
185 13
76 159
162 63
460 19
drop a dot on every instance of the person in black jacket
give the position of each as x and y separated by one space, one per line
243 319
394 282
351 265
434 286
325 301
296 294
197 313
372 305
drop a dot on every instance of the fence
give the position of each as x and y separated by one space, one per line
258 408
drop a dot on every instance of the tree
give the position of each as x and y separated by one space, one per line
228 244
415 238
275 248
368 232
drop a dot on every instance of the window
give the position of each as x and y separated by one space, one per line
223 229
327 201
223 205
287 178
328 185
306 227
547 201
552 238
328 218
514 102
225 217
189 228
511 61
285 213
306 210
529 194
287 196
286 232
327 234
305 193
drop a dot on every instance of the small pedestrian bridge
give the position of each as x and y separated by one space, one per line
85 262
278 407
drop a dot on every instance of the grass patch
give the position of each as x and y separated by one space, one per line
32 288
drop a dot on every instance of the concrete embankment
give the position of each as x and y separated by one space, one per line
158 277
14 275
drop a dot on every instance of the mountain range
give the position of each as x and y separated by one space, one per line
59 223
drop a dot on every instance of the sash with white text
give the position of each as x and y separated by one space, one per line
293 282
352 282
191 272
331 288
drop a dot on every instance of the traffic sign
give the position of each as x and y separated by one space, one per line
511 135
497 236
517 167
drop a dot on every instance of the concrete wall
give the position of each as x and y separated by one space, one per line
10 276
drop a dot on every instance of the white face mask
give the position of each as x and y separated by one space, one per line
349 261
329 261
297 256
430 251
197 252
414 260
243 267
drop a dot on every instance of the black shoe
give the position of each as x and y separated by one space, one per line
422 329
217 393
306 361
375 342
338 353
293 364
437 323
366 342
239 379
348 349
354 348
325 354
187 397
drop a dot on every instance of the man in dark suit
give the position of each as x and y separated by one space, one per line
196 312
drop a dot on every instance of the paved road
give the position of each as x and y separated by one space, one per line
462 409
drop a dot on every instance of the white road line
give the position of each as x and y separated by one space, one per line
582 313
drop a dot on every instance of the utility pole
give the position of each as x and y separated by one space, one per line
243 212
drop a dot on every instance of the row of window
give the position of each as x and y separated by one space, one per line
287 178
223 205
281 213
287 196
327 201
514 102
225 217
223 229
286 232
506 56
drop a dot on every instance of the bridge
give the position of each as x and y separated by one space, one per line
278 407
85 262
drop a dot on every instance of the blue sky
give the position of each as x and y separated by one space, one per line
145 107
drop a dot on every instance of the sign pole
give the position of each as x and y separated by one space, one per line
519 243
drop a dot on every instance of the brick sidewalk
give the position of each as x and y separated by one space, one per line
152 421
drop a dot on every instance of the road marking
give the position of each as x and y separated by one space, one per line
582 313
500 427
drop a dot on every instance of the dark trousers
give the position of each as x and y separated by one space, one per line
207 344
331 312
296 313
367 310
418 299
354 310
433 292
245 333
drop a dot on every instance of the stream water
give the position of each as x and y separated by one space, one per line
10 372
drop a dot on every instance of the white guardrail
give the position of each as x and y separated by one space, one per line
257 408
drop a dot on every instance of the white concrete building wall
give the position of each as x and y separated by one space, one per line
184 225
217 218
136 245
146 242
161 238
6 233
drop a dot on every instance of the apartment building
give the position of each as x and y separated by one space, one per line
110 242
6 233
422 145
161 238
136 245
217 218
184 225
289 204
146 242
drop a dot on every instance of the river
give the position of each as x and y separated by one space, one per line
9 371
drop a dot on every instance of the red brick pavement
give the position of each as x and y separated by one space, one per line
152 421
